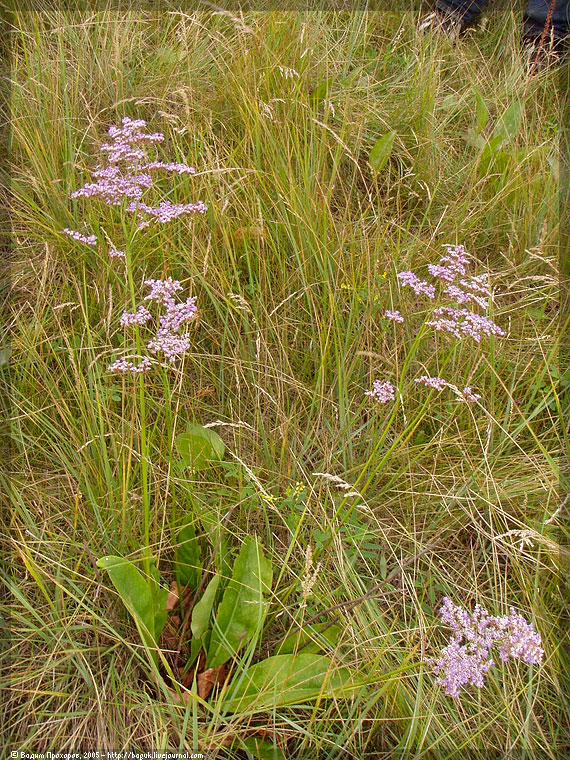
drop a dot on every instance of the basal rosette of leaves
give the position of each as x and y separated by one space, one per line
203 633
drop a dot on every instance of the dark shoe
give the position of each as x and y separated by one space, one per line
443 22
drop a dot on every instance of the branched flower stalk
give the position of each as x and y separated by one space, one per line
457 285
121 180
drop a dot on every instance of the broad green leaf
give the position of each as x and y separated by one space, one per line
474 140
451 103
318 639
509 123
481 111
202 609
211 521
381 151
287 679
187 562
489 153
135 591
261 749
242 609
384 564
200 446
159 596
196 646
320 92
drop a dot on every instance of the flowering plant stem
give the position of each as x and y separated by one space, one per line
407 432
403 436
143 422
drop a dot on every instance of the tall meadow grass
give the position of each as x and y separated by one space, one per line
293 267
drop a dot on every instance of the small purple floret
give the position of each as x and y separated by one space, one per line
420 287
470 395
437 383
140 317
87 239
383 392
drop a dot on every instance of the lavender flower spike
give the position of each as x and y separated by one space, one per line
167 211
87 239
162 290
451 265
420 287
437 383
171 167
383 392
456 260
462 322
140 317
470 395
125 366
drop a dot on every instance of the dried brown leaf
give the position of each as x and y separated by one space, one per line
208 679
172 598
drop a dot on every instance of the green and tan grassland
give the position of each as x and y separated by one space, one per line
292 267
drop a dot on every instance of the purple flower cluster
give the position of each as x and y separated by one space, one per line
479 284
437 383
127 140
381 391
470 395
467 657
420 287
454 265
162 290
125 176
125 366
169 338
87 239
442 272
462 322
455 262
519 640
112 186
463 296
140 317
170 344
395 316
167 211
170 167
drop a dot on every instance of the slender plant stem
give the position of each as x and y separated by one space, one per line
143 421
